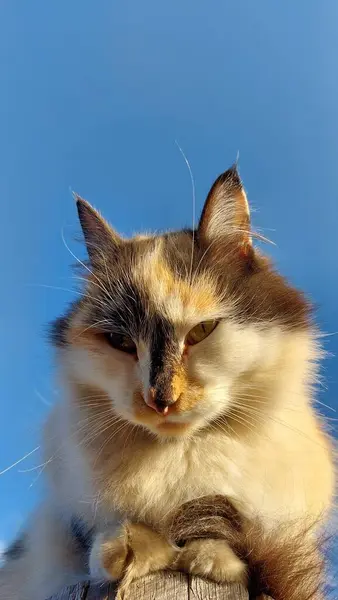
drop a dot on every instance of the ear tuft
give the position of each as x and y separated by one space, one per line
226 212
100 237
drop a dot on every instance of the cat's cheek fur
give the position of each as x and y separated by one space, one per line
117 379
235 349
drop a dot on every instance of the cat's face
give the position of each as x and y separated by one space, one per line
170 327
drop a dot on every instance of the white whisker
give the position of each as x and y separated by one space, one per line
19 461
193 206
42 398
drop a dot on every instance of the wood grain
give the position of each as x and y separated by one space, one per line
101 592
77 592
200 589
161 586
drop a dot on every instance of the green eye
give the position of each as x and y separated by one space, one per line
200 332
121 342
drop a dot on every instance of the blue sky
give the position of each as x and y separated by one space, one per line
93 96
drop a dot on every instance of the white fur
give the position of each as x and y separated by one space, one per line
278 467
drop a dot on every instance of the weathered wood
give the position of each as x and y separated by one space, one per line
200 589
160 586
78 592
101 592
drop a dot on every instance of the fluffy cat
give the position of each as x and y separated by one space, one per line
187 369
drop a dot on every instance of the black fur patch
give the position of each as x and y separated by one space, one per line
57 332
164 347
17 549
81 534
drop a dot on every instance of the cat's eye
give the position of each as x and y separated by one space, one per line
200 332
121 342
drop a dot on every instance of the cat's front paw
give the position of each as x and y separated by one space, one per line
135 549
108 557
212 559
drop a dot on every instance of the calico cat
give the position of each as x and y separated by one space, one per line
187 369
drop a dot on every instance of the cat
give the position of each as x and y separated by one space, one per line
188 368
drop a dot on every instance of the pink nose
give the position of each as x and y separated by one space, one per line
151 401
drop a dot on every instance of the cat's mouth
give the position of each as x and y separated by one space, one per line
165 427
173 423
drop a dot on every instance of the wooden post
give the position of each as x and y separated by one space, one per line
160 586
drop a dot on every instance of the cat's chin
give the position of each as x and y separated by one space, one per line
167 428
173 429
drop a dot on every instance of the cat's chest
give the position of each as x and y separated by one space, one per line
153 484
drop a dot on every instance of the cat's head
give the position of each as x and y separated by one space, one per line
170 327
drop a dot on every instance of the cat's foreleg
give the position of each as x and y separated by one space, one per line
134 550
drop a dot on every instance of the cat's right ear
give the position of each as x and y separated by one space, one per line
100 238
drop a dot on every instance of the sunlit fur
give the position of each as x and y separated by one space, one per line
240 419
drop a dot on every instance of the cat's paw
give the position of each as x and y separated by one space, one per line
212 559
108 556
135 549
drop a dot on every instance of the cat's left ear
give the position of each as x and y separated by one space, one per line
226 214
101 239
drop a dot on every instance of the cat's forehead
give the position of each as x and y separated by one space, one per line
176 278
156 278
166 273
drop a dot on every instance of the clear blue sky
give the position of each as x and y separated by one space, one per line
93 96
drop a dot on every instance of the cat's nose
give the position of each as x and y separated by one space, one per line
157 403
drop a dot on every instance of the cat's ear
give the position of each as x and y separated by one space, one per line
101 239
226 213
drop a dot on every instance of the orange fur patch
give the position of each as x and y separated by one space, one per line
199 293
189 399
179 382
